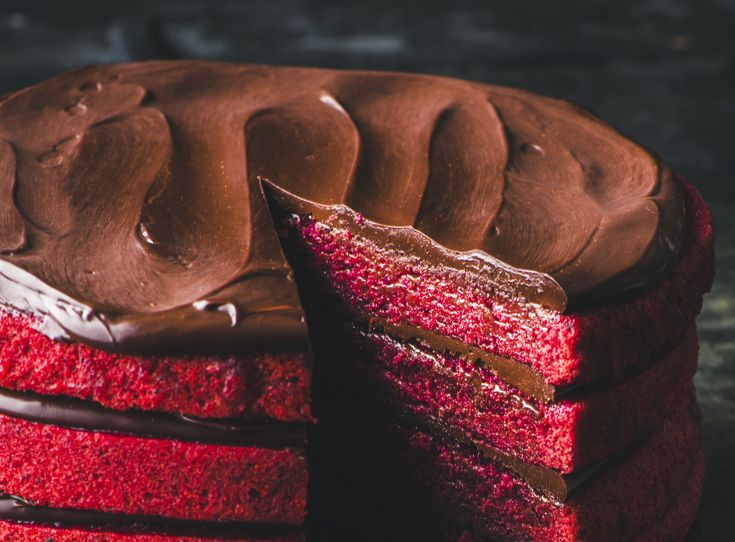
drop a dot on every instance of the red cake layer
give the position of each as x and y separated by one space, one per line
420 383
568 348
620 505
637 497
23 532
675 522
271 385
54 466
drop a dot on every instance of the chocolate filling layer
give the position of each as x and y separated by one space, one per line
509 370
78 414
16 509
547 481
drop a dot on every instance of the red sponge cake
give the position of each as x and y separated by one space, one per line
273 385
628 499
500 292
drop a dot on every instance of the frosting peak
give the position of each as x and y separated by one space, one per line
133 207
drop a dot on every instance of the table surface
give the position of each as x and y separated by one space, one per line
662 71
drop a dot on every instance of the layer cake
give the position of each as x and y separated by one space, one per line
489 294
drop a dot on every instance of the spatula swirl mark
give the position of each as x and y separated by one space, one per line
13 231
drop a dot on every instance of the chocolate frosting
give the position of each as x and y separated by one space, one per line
134 198
509 370
547 481
14 508
78 414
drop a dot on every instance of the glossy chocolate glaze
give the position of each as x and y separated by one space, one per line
78 414
548 482
133 215
19 510
509 370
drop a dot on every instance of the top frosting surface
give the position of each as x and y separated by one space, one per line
134 213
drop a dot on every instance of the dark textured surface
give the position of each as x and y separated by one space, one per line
661 70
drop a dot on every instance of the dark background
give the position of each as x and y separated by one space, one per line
663 71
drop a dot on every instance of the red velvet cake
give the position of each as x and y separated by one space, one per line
500 292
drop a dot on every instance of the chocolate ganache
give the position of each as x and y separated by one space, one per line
134 208
16 509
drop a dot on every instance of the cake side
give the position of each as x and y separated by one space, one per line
258 385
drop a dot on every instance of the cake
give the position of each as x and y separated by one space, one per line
491 296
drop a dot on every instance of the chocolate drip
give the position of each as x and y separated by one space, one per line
78 414
547 481
134 216
16 509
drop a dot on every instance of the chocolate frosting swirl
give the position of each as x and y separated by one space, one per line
134 209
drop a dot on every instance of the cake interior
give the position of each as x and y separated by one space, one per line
615 402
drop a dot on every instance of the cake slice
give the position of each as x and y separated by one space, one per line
499 439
